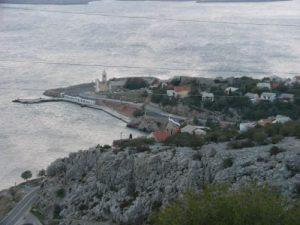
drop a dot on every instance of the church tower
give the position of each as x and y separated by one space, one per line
104 76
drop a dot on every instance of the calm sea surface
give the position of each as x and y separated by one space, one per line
265 41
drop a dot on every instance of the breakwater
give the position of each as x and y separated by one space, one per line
79 101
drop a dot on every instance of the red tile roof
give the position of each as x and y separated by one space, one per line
160 135
183 88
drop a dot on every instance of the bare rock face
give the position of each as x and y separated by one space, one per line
125 187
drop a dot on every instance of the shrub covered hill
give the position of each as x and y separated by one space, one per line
140 178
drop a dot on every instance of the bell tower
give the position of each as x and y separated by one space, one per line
104 76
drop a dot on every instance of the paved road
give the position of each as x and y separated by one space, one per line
21 209
29 219
152 110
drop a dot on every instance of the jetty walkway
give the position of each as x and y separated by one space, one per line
83 102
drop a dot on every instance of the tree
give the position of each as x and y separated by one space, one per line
215 206
41 173
26 175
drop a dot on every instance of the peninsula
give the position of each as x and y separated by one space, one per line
230 131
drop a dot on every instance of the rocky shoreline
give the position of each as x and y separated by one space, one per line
125 187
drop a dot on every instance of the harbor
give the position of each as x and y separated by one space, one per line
76 100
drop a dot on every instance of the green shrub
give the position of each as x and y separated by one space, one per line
185 140
274 150
220 206
56 211
61 193
276 138
260 137
241 144
197 156
228 162
136 143
138 113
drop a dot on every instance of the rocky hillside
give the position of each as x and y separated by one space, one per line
124 187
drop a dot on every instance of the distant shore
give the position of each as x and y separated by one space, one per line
84 2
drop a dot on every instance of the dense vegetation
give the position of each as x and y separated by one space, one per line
135 83
220 206
269 134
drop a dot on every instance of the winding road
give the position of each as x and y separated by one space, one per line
21 209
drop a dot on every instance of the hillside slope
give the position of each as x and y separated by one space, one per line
125 187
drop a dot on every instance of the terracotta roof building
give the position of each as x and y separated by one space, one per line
182 91
160 135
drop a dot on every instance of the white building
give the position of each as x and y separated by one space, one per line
116 84
264 85
286 97
246 126
194 130
268 96
252 96
171 93
206 96
230 90
281 119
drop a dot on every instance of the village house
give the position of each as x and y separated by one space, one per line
264 122
183 91
253 97
281 119
116 84
286 97
268 96
171 93
246 126
206 96
172 126
230 90
194 130
264 85
159 136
